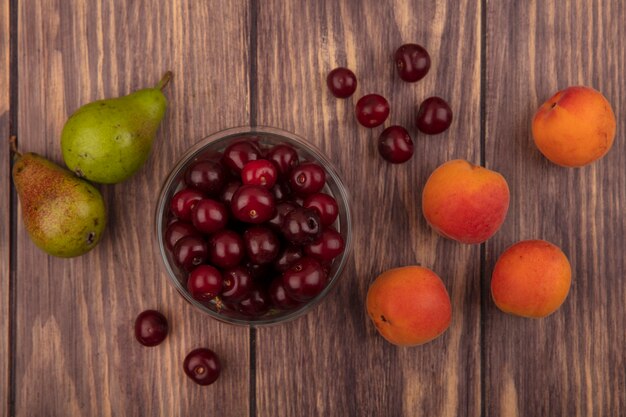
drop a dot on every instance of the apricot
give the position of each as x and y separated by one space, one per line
531 279
574 127
409 306
465 202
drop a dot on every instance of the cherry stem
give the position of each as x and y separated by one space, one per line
13 144
165 80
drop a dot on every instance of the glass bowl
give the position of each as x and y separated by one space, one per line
265 136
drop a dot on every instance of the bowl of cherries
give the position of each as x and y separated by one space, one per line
254 226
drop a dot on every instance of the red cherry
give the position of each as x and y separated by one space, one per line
284 156
372 110
412 62
204 283
209 216
395 145
202 366
341 82
434 116
325 205
305 279
253 204
327 247
260 172
183 202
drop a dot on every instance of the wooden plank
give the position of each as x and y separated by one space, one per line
5 211
571 363
332 362
76 353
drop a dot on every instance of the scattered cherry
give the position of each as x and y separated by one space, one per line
225 249
177 230
412 62
341 82
301 226
204 283
209 216
183 202
239 154
150 328
237 283
279 297
284 156
325 205
190 251
260 172
261 244
327 247
395 145
307 178
372 110
287 257
434 116
305 279
253 204
202 366
206 175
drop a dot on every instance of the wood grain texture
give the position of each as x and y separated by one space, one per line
571 363
332 362
5 212
76 352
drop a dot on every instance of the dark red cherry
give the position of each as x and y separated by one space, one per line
183 202
372 110
261 244
412 62
260 172
301 226
237 283
307 178
287 257
225 249
177 230
395 145
434 116
150 328
284 157
305 279
204 283
341 82
239 154
202 366
228 191
325 205
209 216
255 304
279 297
327 247
206 176
190 251
281 191
253 204
282 209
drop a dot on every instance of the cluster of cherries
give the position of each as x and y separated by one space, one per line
253 230
434 115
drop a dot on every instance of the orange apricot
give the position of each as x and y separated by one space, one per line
465 202
409 306
531 279
574 127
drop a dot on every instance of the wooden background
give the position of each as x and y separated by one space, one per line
66 341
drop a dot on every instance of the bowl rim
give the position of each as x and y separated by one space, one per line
198 147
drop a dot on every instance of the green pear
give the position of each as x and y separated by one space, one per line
107 141
63 214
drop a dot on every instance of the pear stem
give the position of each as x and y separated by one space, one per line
13 144
165 80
